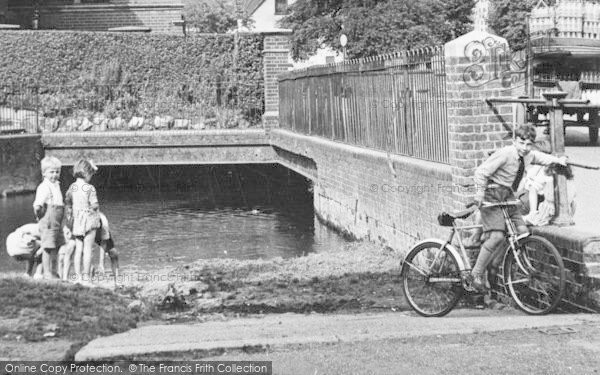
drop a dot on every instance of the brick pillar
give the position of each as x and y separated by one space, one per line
476 69
276 60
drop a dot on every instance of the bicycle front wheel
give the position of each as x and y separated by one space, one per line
431 280
534 275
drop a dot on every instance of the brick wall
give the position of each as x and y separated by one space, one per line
153 14
389 199
475 128
276 60
475 67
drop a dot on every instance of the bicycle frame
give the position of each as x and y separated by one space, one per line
511 236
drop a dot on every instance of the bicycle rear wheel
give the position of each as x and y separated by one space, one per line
431 280
535 275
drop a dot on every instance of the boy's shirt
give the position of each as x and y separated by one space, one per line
23 240
503 165
48 193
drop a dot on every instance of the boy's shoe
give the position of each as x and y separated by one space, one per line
479 302
478 283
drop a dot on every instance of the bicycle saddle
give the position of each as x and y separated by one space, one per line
446 219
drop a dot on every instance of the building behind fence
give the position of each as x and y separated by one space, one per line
395 103
160 16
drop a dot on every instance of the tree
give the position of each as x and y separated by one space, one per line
212 16
375 27
508 19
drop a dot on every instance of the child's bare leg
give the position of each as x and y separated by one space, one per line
47 257
61 261
522 229
39 270
88 243
101 257
29 266
77 258
114 262
67 265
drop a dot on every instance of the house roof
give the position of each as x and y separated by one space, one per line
250 6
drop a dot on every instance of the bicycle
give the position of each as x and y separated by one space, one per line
435 274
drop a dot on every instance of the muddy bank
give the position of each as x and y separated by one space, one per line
361 277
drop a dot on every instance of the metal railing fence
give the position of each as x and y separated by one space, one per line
395 103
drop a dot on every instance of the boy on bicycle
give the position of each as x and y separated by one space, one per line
496 180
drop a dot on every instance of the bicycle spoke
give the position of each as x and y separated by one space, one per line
534 275
422 272
431 278
520 281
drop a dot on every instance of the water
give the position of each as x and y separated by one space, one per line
153 230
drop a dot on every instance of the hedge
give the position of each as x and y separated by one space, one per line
129 74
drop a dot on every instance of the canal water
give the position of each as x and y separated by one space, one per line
170 216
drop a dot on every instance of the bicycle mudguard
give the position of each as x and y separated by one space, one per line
455 253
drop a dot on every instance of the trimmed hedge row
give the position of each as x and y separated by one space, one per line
126 74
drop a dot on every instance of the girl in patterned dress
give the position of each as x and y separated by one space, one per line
543 185
82 210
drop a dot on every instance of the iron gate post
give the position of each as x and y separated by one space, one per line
557 139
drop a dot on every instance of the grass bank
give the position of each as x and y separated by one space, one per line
360 277
35 311
37 314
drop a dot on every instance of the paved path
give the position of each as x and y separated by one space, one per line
293 329
587 182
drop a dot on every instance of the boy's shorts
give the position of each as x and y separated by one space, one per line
492 218
103 234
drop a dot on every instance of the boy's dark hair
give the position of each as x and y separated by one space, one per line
526 131
564 170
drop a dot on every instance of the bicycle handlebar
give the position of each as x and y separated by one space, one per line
515 202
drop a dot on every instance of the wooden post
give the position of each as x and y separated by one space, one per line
557 139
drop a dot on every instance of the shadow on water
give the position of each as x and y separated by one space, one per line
172 215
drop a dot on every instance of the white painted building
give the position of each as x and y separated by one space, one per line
266 15
481 14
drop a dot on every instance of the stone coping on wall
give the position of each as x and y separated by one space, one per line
295 142
156 138
584 246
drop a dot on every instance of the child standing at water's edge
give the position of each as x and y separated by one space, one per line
48 208
83 208
64 254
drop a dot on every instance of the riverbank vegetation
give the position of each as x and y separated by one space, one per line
35 311
360 277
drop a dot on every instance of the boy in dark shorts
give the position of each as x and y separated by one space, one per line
496 179
105 240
